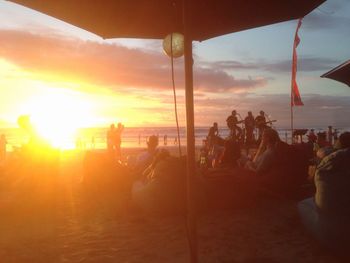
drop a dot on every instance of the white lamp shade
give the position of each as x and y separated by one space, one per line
177 45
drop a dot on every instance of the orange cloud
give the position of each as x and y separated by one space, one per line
111 65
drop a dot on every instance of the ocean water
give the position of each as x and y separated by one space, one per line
95 138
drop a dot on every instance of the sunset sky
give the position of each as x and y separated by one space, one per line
62 75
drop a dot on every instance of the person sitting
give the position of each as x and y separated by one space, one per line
321 141
265 156
327 214
280 167
145 158
163 188
228 156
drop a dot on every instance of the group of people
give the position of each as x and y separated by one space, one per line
244 135
114 140
327 214
322 163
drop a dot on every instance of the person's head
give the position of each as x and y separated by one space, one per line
344 140
112 126
119 125
323 152
321 136
234 112
152 142
250 113
215 124
262 113
270 136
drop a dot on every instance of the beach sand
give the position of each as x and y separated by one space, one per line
68 223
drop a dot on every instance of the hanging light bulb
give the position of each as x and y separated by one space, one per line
174 41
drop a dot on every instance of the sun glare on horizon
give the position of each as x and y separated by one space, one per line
57 115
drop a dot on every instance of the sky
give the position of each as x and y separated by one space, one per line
61 75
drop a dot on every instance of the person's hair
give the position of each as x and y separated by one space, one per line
344 140
152 141
271 135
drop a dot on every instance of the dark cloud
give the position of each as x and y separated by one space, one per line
210 80
107 64
304 64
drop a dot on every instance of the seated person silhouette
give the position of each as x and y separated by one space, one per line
326 215
145 158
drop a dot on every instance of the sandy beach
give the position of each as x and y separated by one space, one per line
63 221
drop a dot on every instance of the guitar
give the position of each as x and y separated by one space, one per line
263 123
231 123
270 121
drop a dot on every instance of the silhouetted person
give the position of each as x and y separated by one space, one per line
110 140
232 124
321 142
212 134
260 123
118 140
312 136
327 214
330 135
249 124
145 158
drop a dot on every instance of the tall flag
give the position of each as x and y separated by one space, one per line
295 95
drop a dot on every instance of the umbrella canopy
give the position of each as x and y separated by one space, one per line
154 19
340 73
196 19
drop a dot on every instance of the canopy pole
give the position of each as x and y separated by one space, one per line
191 164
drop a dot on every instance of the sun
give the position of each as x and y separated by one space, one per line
57 115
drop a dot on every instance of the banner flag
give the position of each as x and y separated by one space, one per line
295 95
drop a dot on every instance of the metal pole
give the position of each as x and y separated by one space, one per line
191 168
291 122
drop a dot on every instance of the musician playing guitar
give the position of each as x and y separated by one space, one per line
232 121
261 124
